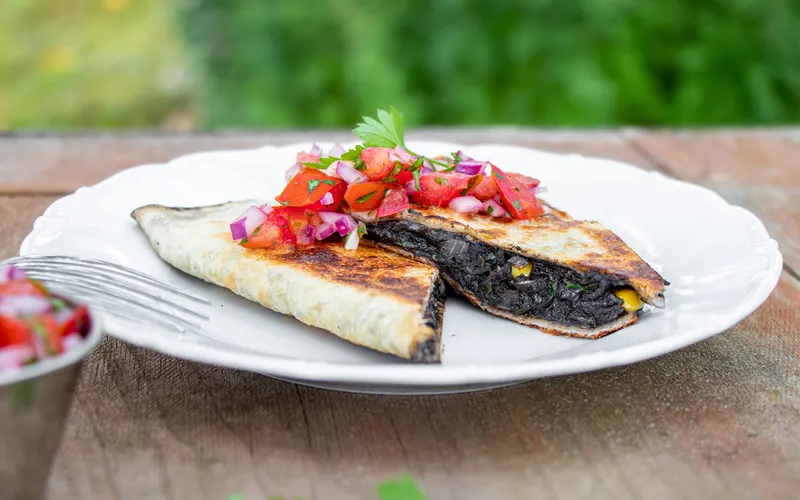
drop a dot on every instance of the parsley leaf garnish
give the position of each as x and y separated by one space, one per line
328 182
442 182
416 180
284 203
366 197
574 286
388 178
322 164
361 230
498 175
397 168
386 132
353 154
256 230
517 204
489 210
312 185
244 241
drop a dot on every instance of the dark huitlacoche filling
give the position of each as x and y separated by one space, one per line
432 316
547 291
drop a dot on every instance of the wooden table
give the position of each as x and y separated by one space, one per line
720 419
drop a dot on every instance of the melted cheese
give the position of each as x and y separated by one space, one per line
630 299
522 271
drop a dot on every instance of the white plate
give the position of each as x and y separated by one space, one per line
719 258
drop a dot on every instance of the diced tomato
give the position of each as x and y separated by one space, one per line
307 187
302 222
378 163
337 192
439 188
26 287
274 232
526 181
517 199
404 176
395 201
14 332
46 325
366 196
485 190
76 323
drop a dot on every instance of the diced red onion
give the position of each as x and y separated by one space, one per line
24 305
351 241
410 187
330 217
496 209
331 171
72 341
294 170
470 167
400 154
425 171
265 208
464 156
427 164
497 198
15 273
38 347
247 222
349 174
336 151
324 230
14 357
315 150
345 225
538 189
466 204
327 199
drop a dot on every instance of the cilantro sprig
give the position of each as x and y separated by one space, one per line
386 132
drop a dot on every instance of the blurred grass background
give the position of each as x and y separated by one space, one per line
210 64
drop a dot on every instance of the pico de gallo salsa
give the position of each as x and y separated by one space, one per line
34 323
379 178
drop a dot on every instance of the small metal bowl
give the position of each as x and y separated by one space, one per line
34 402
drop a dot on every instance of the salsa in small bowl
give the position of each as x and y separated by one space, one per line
45 334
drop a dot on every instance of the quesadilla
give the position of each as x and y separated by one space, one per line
562 276
370 297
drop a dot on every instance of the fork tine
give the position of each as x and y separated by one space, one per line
48 272
119 303
94 264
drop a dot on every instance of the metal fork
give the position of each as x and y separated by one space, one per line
119 291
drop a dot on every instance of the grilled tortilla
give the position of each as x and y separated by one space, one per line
369 297
563 276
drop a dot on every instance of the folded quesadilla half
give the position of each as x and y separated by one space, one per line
370 297
560 275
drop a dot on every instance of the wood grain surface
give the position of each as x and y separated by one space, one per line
719 419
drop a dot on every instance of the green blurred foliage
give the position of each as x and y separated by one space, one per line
67 64
544 62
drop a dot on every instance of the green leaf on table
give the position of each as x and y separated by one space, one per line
404 488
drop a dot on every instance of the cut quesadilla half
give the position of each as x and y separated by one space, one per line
563 276
370 297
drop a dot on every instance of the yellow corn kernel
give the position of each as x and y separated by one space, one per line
630 299
522 271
